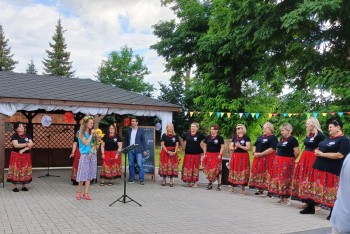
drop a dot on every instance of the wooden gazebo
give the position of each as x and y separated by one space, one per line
34 94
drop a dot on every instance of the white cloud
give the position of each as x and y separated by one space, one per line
93 29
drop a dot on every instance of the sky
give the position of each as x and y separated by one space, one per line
94 28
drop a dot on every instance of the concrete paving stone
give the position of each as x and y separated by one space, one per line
50 207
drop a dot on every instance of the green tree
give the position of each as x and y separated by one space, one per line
31 69
57 62
125 70
6 58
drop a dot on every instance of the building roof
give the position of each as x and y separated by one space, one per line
38 88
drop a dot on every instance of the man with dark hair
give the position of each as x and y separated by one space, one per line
136 135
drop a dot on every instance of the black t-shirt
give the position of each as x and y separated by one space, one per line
335 145
242 140
170 141
214 144
193 143
286 147
111 143
21 140
265 142
311 142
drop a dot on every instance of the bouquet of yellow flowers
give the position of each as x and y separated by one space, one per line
96 140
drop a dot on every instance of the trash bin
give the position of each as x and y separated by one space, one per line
225 172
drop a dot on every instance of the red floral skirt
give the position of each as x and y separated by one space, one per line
260 169
323 187
168 165
190 168
20 168
302 173
75 165
282 175
212 165
111 167
239 169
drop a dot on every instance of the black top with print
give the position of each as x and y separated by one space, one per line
285 147
311 141
214 144
242 140
170 141
335 145
265 142
193 143
111 142
21 140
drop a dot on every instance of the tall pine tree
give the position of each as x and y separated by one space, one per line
31 69
57 63
6 61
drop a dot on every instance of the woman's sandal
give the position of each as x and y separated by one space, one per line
102 184
209 186
110 184
86 196
218 188
232 189
195 185
78 196
242 192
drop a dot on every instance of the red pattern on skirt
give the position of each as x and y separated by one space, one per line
168 165
111 167
75 165
281 177
302 176
259 177
190 168
20 168
239 168
212 165
323 187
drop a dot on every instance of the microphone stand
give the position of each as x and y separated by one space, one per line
124 196
48 159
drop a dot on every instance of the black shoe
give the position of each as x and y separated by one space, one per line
15 190
75 183
308 210
329 216
130 181
24 189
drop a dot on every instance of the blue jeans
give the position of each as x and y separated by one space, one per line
132 155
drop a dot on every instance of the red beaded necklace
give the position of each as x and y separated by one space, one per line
333 137
213 137
22 136
238 138
111 136
284 139
311 134
266 136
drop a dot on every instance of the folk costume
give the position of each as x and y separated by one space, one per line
302 173
75 162
239 163
192 158
262 166
283 167
111 166
168 164
20 166
212 163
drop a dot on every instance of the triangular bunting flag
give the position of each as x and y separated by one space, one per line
253 115
348 113
315 114
257 115
290 114
270 115
222 114
185 113
191 113
297 114
210 113
340 114
308 115
274 114
246 114
240 115
285 114
332 113
218 114
324 114
228 114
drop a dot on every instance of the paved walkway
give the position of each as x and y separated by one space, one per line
50 207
